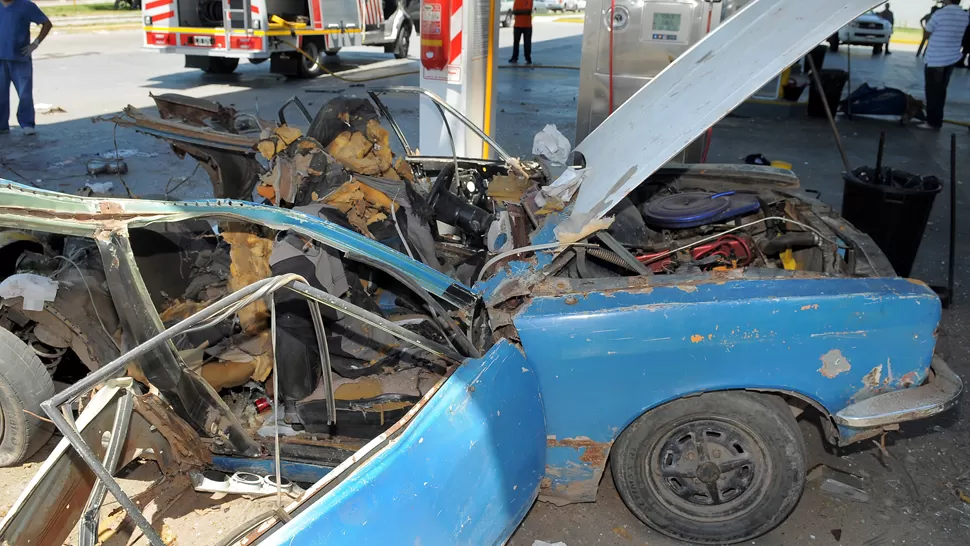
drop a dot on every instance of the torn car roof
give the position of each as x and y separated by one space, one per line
699 89
31 208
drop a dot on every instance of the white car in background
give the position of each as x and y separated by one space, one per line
505 10
868 29
563 5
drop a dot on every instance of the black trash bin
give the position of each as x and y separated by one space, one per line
833 83
892 210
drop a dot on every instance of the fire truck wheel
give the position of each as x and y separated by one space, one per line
308 68
220 65
400 46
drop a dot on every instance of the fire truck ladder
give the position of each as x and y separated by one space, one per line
236 12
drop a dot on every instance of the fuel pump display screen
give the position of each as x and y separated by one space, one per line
667 22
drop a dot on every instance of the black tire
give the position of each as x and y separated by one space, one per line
834 43
877 49
401 44
507 19
306 68
220 65
24 384
761 473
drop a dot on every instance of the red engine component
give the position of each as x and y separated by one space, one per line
262 405
732 248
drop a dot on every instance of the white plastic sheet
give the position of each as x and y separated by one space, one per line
552 145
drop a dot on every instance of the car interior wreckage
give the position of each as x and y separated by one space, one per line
384 326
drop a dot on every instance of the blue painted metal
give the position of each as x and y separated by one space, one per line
517 268
291 470
465 471
70 214
629 351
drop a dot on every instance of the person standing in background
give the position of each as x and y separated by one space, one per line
966 48
888 16
522 28
926 35
16 65
946 29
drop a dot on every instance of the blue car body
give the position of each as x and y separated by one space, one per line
537 414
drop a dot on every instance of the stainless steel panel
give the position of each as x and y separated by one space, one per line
638 56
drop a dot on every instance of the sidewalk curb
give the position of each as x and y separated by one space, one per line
95 20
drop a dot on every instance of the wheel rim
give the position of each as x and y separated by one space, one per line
405 43
313 51
708 469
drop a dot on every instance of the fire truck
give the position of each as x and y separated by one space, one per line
215 34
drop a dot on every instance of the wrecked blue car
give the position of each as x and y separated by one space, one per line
415 358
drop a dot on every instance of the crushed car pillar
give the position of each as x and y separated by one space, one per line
193 399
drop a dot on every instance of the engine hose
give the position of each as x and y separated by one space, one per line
611 257
790 240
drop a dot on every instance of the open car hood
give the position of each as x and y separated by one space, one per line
697 90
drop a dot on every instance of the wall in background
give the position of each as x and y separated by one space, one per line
909 12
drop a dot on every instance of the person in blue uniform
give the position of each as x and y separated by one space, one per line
16 66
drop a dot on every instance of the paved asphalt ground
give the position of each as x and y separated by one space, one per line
913 496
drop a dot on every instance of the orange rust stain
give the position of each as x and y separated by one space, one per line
908 380
916 281
809 307
594 453
696 338
110 207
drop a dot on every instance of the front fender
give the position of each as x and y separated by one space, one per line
603 358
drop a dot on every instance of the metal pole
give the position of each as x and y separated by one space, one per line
848 79
87 534
91 459
953 214
828 113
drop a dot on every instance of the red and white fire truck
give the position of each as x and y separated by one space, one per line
215 34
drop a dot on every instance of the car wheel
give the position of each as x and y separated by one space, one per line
24 384
220 65
877 49
718 468
834 43
400 46
507 20
310 68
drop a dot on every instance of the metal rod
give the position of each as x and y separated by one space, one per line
276 402
324 349
848 79
451 110
828 113
91 459
241 298
953 214
238 299
301 287
382 108
87 533
879 154
110 369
